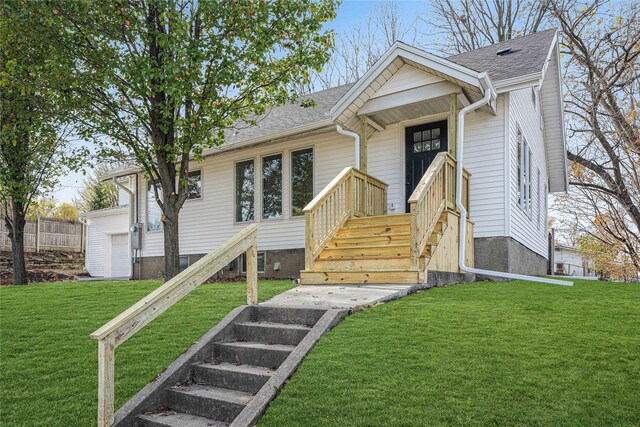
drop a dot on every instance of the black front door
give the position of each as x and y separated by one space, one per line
423 143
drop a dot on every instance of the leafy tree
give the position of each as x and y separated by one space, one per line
49 208
163 80
33 139
96 194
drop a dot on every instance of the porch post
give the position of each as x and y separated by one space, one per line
453 123
363 143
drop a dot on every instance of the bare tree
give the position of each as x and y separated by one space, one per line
601 72
464 25
357 50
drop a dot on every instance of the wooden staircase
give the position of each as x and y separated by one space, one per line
350 240
373 250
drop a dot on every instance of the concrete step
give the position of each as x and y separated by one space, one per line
175 419
208 401
366 252
337 277
252 353
300 316
270 332
227 375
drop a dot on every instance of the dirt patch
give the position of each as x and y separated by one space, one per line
35 276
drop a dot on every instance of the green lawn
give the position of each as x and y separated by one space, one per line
477 354
48 363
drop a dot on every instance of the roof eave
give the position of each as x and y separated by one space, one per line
399 49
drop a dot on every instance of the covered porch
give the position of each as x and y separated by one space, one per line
350 235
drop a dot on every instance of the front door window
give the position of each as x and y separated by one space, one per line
423 143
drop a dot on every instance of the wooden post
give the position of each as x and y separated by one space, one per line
252 274
363 144
106 367
308 241
453 123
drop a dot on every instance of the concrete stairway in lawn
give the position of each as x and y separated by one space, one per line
373 250
230 369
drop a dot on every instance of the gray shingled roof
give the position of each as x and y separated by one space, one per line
291 116
528 55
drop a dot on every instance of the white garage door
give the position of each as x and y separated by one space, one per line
120 263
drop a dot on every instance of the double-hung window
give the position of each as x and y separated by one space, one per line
272 187
301 180
154 213
244 191
194 185
524 172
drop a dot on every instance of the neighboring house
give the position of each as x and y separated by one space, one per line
569 262
404 111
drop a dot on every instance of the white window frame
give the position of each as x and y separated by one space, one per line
313 178
524 168
147 201
261 179
255 191
201 185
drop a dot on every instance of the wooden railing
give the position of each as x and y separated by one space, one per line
351 193
435 192
118 330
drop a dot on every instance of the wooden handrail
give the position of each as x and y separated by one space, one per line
351 193
125 325
435 193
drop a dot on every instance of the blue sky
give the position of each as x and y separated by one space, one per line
350 14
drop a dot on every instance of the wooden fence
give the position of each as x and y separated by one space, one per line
46 234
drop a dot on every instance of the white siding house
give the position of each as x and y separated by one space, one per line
106 255
514 148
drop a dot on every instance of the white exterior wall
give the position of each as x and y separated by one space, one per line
100 228
484 154
208 222
524 227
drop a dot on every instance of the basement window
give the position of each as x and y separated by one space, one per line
184 263
243 263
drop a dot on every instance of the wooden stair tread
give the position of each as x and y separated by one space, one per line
392 234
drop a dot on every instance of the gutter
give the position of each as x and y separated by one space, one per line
489 94
356 138
131 222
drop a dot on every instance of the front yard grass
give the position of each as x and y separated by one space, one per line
477 354
48 363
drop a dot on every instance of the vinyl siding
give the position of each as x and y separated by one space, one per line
99 232
407 77
208 222
484 149
524 226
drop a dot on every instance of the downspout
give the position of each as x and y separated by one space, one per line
356 137
131 220
463 212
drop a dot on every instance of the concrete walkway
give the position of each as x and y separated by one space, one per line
340 296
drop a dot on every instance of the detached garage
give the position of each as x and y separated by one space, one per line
108 250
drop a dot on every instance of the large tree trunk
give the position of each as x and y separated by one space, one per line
16 234
171 240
